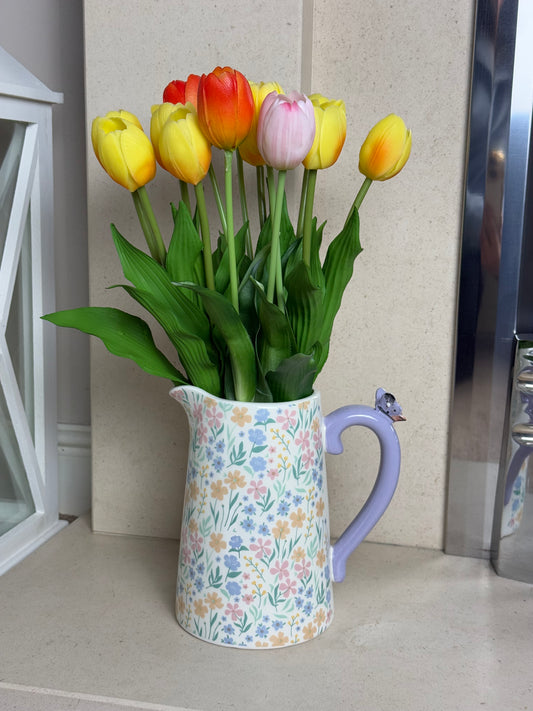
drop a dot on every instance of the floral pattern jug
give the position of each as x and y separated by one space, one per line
256 566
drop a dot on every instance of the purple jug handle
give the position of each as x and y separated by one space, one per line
380 420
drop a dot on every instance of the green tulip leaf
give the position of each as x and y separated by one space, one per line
222 272
338 271
198 360
304 307
123 335
275 341
293 379
185 249
235 337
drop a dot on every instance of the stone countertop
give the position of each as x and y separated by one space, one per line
87 622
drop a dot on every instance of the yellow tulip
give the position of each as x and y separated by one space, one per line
123 149
185 151
160 113
248 148
330 134
386 149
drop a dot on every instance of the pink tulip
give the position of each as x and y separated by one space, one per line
285 129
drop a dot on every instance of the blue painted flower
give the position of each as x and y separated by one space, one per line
309 592
249 510
235 542
257 436
261 631
298 601
261 415
297 500
218 463
283 508
258 464
308 608
326 572
277 624
233 588
263 530
199 584
219 446
209 453
227 639
200 568
248 524
232 562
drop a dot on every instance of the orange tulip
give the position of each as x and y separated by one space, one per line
225 107
181 92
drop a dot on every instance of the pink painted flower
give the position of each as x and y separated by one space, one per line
257 489
214 417
288 588
234 611
302 438
308 456
287 419
196 541
281 568
261 548
247 599
273 473
285 129
303 569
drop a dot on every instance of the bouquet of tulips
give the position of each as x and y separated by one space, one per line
250 319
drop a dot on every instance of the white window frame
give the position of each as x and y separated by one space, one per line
33 193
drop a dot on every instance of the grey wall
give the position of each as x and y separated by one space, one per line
46 36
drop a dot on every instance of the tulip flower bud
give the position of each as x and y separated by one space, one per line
248 149
123 149
330 120
386 149
160 113
181 92
285 129
184 150
225 107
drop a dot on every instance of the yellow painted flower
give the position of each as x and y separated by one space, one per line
281 529
123 149
309 631
298 554
218 490
330 133
248 148
278 640
183 149
214 601
200 609
240 416
298 518
386 149
217 542
235 480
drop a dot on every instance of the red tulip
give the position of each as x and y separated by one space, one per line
225 107
180 92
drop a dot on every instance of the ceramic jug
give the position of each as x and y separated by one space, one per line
256 565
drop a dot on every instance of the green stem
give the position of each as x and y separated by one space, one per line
184 189
218 198
149 224
206 238
261 204
244 206
230 236
275 281
308 216
359 197
271 185
305 180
